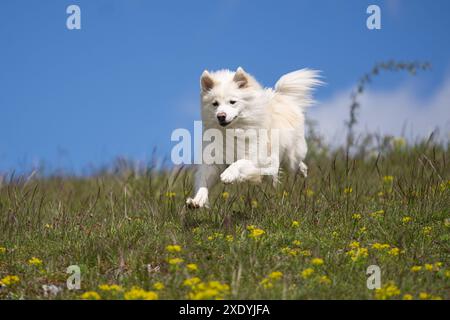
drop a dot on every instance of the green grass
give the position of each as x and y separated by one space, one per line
115 225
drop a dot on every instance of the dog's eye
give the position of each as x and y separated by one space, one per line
232 102
215 104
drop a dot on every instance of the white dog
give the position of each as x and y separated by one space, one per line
235 100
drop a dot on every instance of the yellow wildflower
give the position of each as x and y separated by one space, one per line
416 268
190 282
296 243
324 280
388 179
295 224
173 248
275 275
35 262
394 252
380 246
170 195
256 233
309 193
358 253
305 253
225 195
356 216
317 261
354 245
140 294
210 290
407 297
424 296
428 267
90 295
386 292
406 220
229 238
112 287
377 214
335 234
192 267
175 261
158 286
9 280
307 273
426 230
254 203
348 190
2 250
266 283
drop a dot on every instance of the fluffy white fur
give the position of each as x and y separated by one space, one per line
235 100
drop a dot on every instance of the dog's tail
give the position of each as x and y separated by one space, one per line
299 85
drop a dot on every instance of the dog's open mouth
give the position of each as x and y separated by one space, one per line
224 123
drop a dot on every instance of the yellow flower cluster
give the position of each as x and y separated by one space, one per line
175 261
271 279
9 280
357 252
2 250
137 293
388 179
426 230
255 232
427 296
192 267
158 286
386 292
170 195
428 267
348 190
206 290
356 216
324 280
380 246
295 224
215 235
225 195
377 214
295 252
35 262
406 219
114 288
90 295
317 261
307 273
173 248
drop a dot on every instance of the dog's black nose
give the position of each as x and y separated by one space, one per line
221 116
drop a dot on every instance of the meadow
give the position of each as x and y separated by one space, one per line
132 237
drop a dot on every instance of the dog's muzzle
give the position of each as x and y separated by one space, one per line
222 118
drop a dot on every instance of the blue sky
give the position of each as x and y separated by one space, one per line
74 99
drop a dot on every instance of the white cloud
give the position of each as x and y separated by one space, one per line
396 112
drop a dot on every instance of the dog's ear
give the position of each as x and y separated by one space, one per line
241 78
206 81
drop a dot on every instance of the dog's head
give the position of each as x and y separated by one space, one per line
228 97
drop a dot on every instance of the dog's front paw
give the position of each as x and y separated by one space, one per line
199 201
230 175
